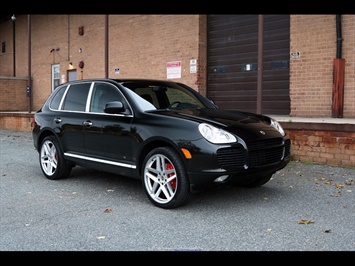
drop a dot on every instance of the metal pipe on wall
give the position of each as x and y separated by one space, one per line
29 63
68 38
106 46
338 75
339 36
13 18
259 90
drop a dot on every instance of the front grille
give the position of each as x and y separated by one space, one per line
264 152
231 157
267 156
261 152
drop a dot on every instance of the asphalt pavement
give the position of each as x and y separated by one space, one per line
305 207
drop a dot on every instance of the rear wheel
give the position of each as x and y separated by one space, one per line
164 178
52 161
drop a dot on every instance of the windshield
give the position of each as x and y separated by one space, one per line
152 96
143 103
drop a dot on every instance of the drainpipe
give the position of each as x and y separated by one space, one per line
259 90
13 18
106 46
339 36
338 75
28 90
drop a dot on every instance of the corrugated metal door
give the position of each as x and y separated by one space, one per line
232 58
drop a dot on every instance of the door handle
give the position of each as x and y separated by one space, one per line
87 123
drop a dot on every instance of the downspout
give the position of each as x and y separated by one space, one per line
106 46
338 75
68 38
259 89
14 42
28 89
339 36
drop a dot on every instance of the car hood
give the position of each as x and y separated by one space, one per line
243 124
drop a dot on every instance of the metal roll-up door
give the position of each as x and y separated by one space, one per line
232 60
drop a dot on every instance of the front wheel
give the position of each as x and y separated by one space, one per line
164 178
51 159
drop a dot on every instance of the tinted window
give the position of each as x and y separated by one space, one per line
102 94
59 92
75 99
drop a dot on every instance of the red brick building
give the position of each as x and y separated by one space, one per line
212 50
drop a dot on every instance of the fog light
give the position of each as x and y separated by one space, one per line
221 178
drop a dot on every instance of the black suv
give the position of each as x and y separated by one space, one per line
164 133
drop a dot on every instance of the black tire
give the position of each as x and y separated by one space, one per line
51 159
256 182
164 178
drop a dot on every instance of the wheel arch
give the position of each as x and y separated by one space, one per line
45 133
156 143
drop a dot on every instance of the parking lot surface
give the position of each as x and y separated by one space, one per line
305 207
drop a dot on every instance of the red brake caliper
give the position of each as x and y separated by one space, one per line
169 166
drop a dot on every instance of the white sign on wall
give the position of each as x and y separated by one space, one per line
193 66
173 70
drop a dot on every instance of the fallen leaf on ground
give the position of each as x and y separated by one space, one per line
108 210
336 195
304 221
328 182
338 185
349 182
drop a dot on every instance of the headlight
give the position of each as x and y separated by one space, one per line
215 135
277 125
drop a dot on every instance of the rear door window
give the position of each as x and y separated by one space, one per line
75 100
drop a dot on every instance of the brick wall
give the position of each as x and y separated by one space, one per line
331 144
13 94
16 121
311 76
139 46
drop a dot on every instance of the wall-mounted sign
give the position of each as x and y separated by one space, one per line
173 70
295 55
193 66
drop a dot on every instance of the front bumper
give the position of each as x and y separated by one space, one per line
259 158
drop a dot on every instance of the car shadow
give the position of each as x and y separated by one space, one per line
219 196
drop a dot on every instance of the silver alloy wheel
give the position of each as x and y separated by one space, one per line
49 158
160 179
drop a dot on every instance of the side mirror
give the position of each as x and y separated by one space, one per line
114 107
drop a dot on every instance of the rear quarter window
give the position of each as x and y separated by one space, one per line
58 95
